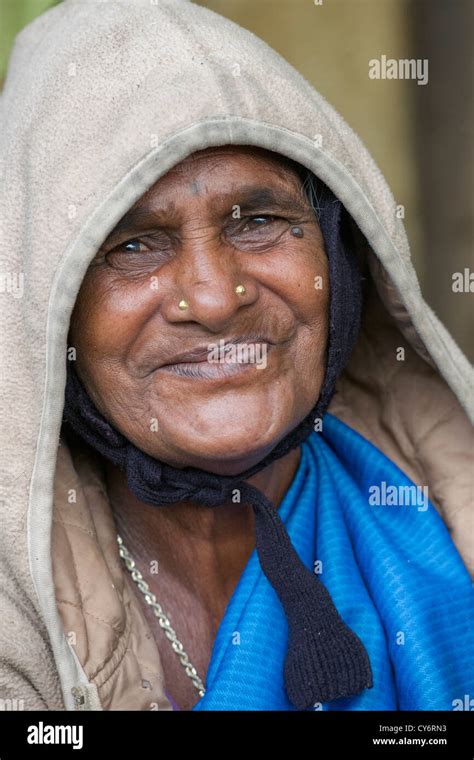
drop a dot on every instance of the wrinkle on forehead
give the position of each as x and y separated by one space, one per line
195 180
213 156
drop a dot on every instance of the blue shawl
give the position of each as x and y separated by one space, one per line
393 572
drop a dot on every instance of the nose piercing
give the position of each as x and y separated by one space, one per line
183 305
297 232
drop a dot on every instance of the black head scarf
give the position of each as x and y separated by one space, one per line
325 659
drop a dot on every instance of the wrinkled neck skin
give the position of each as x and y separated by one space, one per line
203 550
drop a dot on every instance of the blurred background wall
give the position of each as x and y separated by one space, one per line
421 136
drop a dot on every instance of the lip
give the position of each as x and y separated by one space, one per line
195 365
201 353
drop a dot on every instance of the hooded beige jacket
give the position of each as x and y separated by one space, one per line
101 99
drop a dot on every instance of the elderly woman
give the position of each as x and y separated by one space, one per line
248 485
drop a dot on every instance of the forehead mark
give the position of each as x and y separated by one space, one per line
195 187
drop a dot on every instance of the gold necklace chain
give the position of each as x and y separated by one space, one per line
162 618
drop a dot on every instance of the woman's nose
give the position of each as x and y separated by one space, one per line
209 284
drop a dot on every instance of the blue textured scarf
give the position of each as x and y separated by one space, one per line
393 572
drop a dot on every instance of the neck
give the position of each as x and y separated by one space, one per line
201 549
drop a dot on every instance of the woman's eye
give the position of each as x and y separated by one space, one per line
130 246
257 233
141 254
258 221
158 242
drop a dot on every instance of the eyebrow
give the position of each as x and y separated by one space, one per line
137 219
248 197
252 198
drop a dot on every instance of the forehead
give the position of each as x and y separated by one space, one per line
218 167
236 154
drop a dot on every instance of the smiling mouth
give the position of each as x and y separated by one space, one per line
214 370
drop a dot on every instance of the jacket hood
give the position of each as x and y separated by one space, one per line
102 99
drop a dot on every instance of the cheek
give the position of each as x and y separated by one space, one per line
301 279
106 319
108 315
308 293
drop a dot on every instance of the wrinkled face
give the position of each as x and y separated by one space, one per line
218 384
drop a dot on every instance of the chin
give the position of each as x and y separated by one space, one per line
226 456
226 434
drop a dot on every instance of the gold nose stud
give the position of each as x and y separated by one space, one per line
183 305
